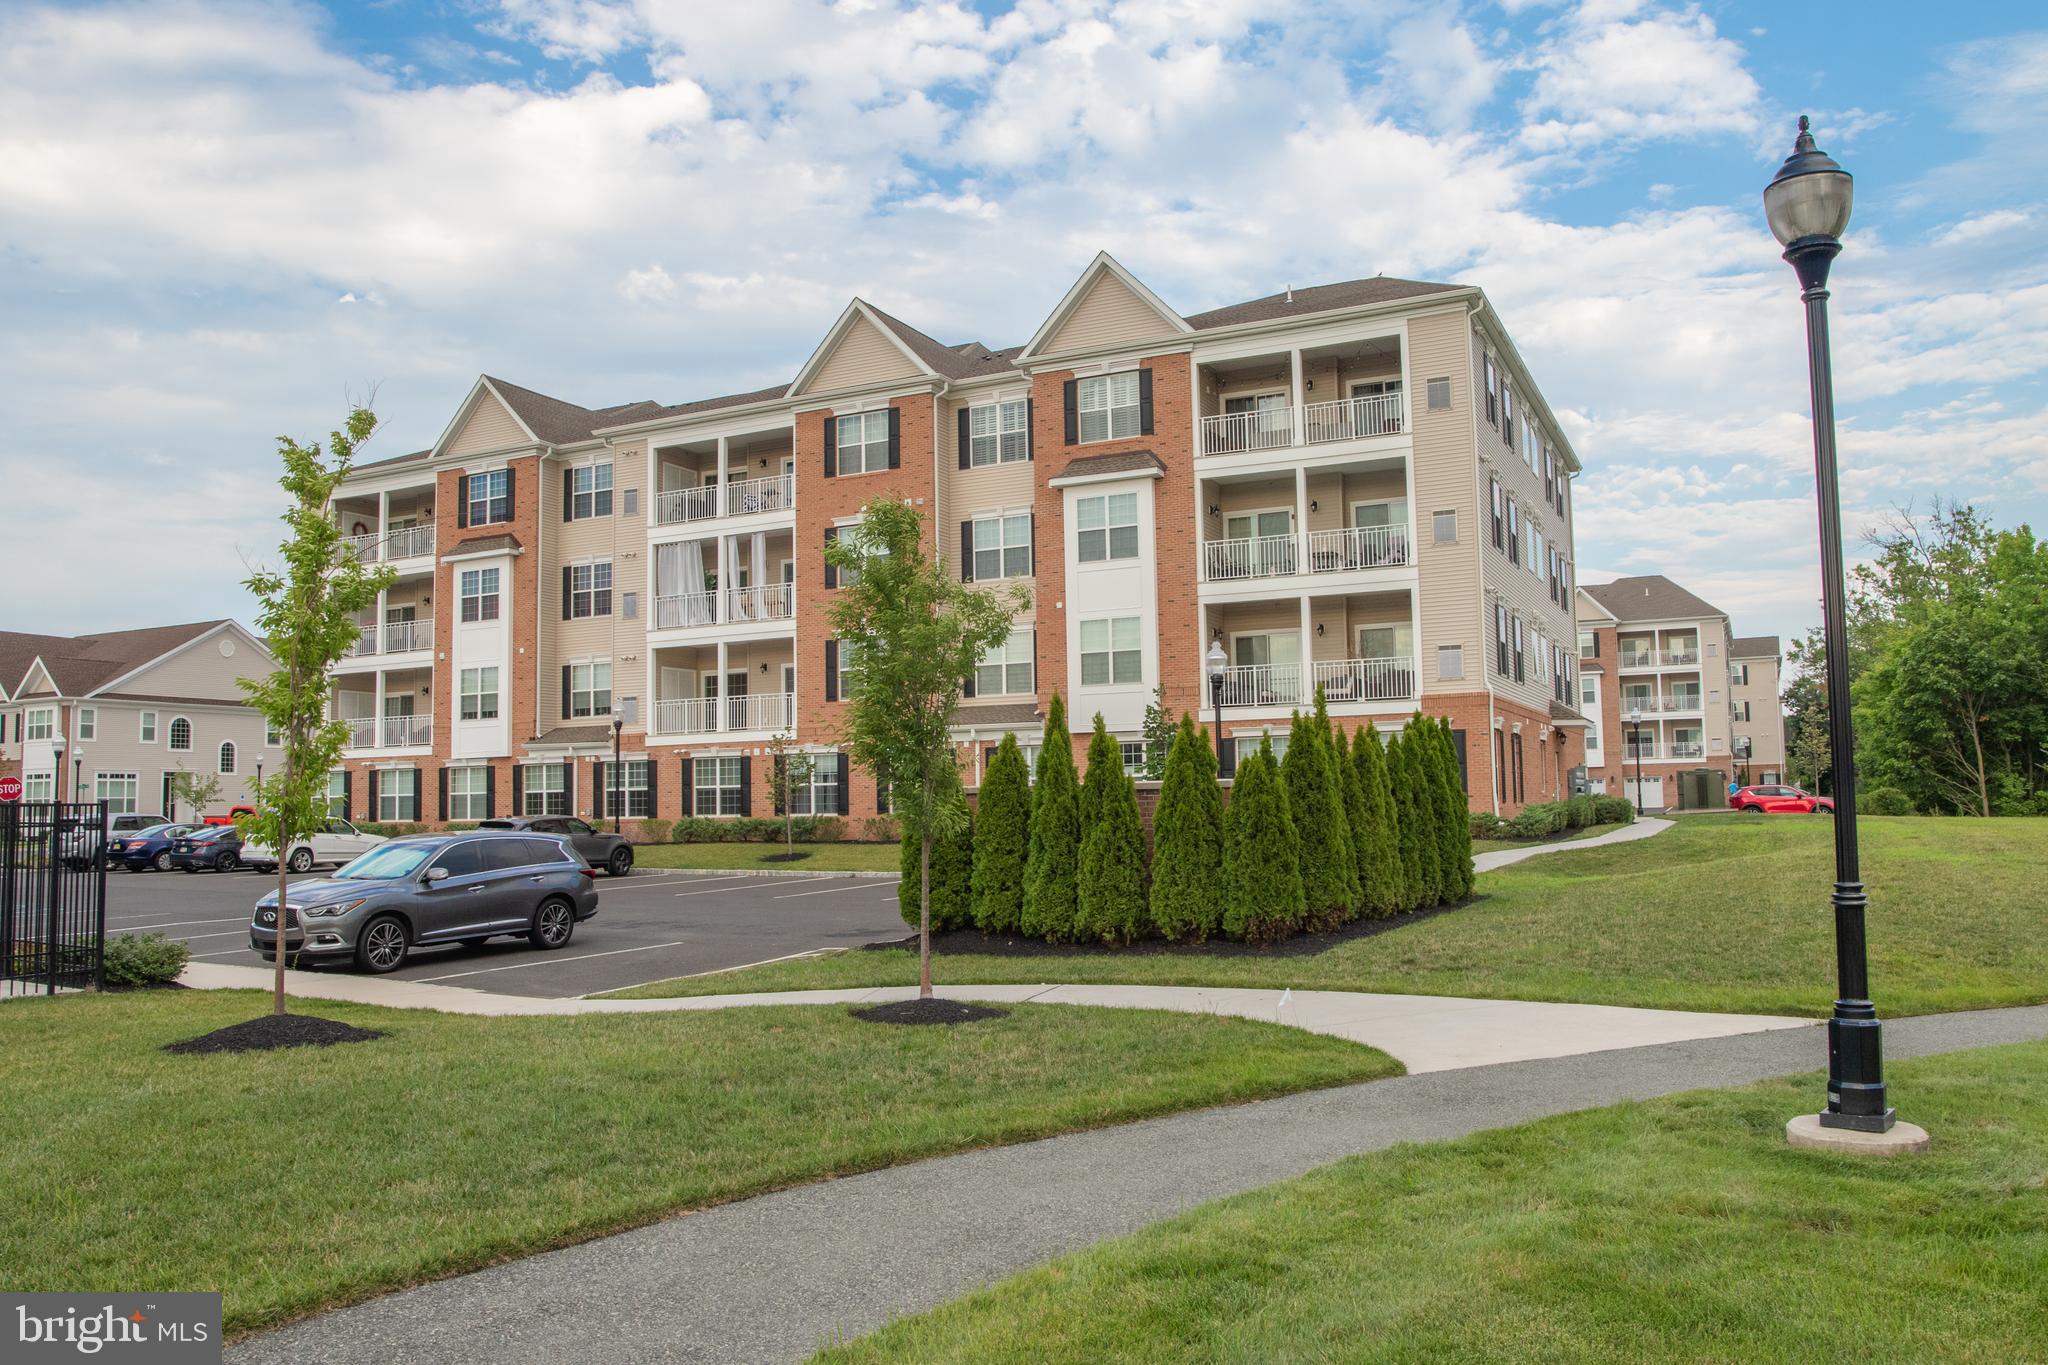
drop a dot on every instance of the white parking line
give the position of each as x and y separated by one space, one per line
822 891
546 961
172 924
194 938
229 953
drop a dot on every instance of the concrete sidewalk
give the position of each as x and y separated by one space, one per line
773 1278
1423 1032
1644 827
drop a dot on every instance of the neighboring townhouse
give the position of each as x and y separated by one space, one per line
1756 711
1672 691
116 716
1355 486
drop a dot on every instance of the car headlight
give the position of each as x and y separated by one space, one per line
336 908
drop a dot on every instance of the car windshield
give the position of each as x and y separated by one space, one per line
212 832
156 829
385 864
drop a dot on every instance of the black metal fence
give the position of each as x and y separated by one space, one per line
53 897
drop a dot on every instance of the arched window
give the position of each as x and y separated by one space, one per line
181 733
227 757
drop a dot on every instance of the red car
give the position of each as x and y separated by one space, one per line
229 818
1780 800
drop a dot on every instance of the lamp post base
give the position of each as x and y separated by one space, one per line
1812 1131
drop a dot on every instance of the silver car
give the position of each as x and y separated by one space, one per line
428 889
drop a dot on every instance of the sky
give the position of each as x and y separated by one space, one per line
219 222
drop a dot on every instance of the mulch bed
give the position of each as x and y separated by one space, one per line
932 1011
114 988
273 1031
787 857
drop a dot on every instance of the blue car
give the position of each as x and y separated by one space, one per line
146 848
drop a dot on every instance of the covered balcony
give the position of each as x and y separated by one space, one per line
389 709
736 581
1310 396
1659 649
1347 519
735 476
727 688
1359 648
389 528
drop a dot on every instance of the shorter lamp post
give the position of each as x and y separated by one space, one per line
1217 660
77 772
617 784
1635 742
57 766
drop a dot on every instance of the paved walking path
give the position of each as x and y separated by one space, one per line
773 1278
1423 1032
1643 828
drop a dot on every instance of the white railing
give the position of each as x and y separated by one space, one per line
365 642
400 636
408 542
769 602
1341 419
1262 685
760 711
686 609
1255 557
776 493
1641 658
1365 679
362 732
708 715
1349 419
686 716
1680 701
1646 752
686 504
364 547
1357 547
403 732
1680 658
1681 750
1232 432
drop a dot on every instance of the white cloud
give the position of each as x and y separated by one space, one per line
1980 225
1613 73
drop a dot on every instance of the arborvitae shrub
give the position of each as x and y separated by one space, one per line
952 875
1386 879
1329 872
1454 827
1053 866
1187 840
1110 901
1411 833
1262 898
1002 840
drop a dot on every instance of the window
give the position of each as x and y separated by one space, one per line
42 722
863 442
479 692
272 736
479 593
1002 547
846 678
1589 645
469 793
544 789
1444 527
1110 652
490 497
631 781
1739 675
398 794
849 536
1439 395
590 590
1507 414
39 787
1393 641
118 790
1538 554
1450 661
716 786
1499 542
1006 669
337 795
1519 673
1244 746
1108 405
1514 532
996 433
1108 527
590 491
821 797
88 722
1132 751
629 605
590 689
1500 640
181 734
227 756
1492 394
148 727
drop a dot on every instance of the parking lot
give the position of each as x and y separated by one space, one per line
648 926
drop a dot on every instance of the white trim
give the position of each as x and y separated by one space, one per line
176 650
859 308
512 550
1120 476
482 386
1103 263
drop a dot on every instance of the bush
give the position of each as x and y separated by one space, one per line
1613 810
1536 822
952 874
1386 879
744 829
1002 841
1052 867
1329 869
651 831
1885 801
1262 897
1187 840
393 829
1486 825
879 829
1109 904
1454 831
144 960
1415 839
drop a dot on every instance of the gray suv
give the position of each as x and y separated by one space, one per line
599 847
435 888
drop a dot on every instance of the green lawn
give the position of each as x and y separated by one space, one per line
1679 1230
457 1141
824 857
1503 845
1716 913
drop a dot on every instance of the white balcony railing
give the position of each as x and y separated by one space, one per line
397 637
1680 701
1262 685
362 732
708 715
686 609
390 732
1350 419
1651 658
365 547
1364 680
686 716
1681 658
1688 750
1342 419
409 542
760 711
1233 432
366 642
686 504
1253 557
776 493
1357 547
769 602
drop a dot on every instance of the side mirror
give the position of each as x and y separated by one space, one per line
436 874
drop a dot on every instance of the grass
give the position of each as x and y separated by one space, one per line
457 1141
1679 1230
1725 913
1502 845
728 857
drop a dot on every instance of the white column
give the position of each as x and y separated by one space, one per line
382 616
1308 649
377 723
1415 649
1300 399
383 520
724 707
722 476
1300 519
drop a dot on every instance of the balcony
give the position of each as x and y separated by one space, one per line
1274 428
396 637
374 547
391 732
735 606
747 497
1652 658
764 711
676 505
1342 680
1346 549
1350 548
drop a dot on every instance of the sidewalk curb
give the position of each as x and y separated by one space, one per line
758 872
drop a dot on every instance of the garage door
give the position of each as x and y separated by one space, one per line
1647 794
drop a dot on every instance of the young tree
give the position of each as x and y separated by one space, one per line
1052 869
1329 869
1416 745
1002 840
1262 897
914 633
1110 904
1409 831
1353 793
1159 731
1187 840
308 618
1380 864
791 773
1454 824
952 876
197 790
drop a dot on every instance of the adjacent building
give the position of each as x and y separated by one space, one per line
1756 713
116 716
1356 486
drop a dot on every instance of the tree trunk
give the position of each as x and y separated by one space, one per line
924 916
277 944
1983 788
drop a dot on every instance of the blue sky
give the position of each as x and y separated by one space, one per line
219 220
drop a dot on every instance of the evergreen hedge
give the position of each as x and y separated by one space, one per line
1453 825
1412 836
1110 904
1002 841
1262 896
1052 868
1377 828
1329 871
1187 840
952 875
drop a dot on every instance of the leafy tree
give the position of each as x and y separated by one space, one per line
914 633
1187 840
1807 756
1052 868
1110 903
308 619
1158 732
1002 835
1262 895
197 790
1454 822
1412 836
1377 833
1353 795
791 773
952 872
1329 869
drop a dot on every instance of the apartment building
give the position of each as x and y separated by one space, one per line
1355 486
1673 690
115 717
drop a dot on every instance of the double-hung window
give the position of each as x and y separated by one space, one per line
1002 547
996 433
544 789
715 786
39 787
590 491
1536 550
1514 532
1499 519
490 497
88 722
1500 640
590 589
1492 394
41 722
478 589
1107 527
1132 751
147 727
118 790
846 679
863 442
821 795
1005 671
631 782
1108 405
398 794
479 694
1507 414
1519 673
1110 652
590 689
469 793
337 795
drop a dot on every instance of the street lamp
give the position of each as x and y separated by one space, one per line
1807 204
77 771
1635 742
1216 659
618 776
57 766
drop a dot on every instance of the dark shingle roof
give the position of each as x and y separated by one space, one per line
996 713
1560 712
1650 597
1122 462
477 545
964 361
559 423
576 734
78 664
1318 298
1753 647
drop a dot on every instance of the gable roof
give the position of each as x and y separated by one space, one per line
1319 298
1650 597
562 423
1103 264
77 665
1753 647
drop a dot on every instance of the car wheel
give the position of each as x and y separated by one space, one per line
302 860
553 924
1753 809
225 862
161 862
620 863
382 945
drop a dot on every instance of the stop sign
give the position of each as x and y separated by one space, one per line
10 789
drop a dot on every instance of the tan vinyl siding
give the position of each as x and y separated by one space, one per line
1109 314
490 427
964 494
1333 495
1439 347
199 670
863 356
117 748
620 538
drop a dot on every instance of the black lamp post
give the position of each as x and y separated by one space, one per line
1808 204
1635 743
1217 660
618 776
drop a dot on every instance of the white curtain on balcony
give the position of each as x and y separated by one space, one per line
757 560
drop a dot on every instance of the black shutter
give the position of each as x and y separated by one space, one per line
518 789
511 492
1031 543
565 691
845 781
746 785
1464 775
600 788
1226 761
568 494
443 794
413 808
781 782
964 439
569 784
831 670
347 782
881 796
462 500
490 791
967 686
966 552
831 569
1144 402
1073 411
831 446
895 438
565 607
689 787
1030 432
371 809
653 792
1596 644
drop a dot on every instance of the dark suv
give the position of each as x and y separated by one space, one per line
612 852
